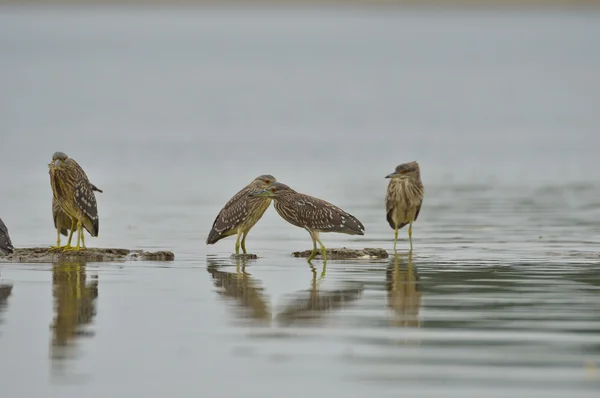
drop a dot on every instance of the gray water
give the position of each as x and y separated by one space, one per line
171 111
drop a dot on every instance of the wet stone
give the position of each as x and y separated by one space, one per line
248 256
347 254
45 255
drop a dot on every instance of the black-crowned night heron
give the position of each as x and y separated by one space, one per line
74 194
313 214
404 198
62 222
6 246
241 213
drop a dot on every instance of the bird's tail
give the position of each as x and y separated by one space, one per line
214 237
353 226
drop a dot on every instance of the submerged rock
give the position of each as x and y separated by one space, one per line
45 255
347 254
248 256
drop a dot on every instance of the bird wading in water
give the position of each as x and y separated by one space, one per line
74 193
313 214
404 198
241 213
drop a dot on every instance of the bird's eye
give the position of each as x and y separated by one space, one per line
267 181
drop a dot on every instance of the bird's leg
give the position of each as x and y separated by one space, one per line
79 228
237 243
314 250
395 237
410 235
82 237
73 226
244 241
323 251
57 241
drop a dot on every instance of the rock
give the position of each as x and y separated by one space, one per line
44 255
248 256
347 254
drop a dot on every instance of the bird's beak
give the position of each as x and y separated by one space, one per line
264 193
391 175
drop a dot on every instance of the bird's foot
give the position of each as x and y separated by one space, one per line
73 249
56 248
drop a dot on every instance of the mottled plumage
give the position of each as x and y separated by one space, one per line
6 246
313 214
241 213
62 222
404 198
74 194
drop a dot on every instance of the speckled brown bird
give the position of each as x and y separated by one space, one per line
313 214
404 198
6 246
241 213
74 194
62 222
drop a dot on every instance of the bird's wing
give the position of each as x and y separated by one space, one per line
5 242
95 188
3 227
418 210
389 206
85 199
321 215
234 212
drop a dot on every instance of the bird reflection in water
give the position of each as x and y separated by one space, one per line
404 297
247 292
5 292
310 305
241 287
74 306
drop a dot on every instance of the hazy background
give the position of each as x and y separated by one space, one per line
171 110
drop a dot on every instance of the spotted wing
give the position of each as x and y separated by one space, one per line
323 216
231 215
86 201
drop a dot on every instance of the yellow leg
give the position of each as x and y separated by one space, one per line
323 251
237 243
77 247
314 251
57 241
395 238
410 235
244 241
73 226
82 237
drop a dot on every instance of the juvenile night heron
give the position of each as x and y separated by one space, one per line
62 222
6 246
313 214
404 198
75 195
241 213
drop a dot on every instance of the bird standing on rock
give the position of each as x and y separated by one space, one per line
313 214
241 213
75 195
404 198
62 222
6 246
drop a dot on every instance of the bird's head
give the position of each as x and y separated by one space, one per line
57 159
274 190
263 181
405 170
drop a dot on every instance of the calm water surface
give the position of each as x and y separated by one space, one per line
171 111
